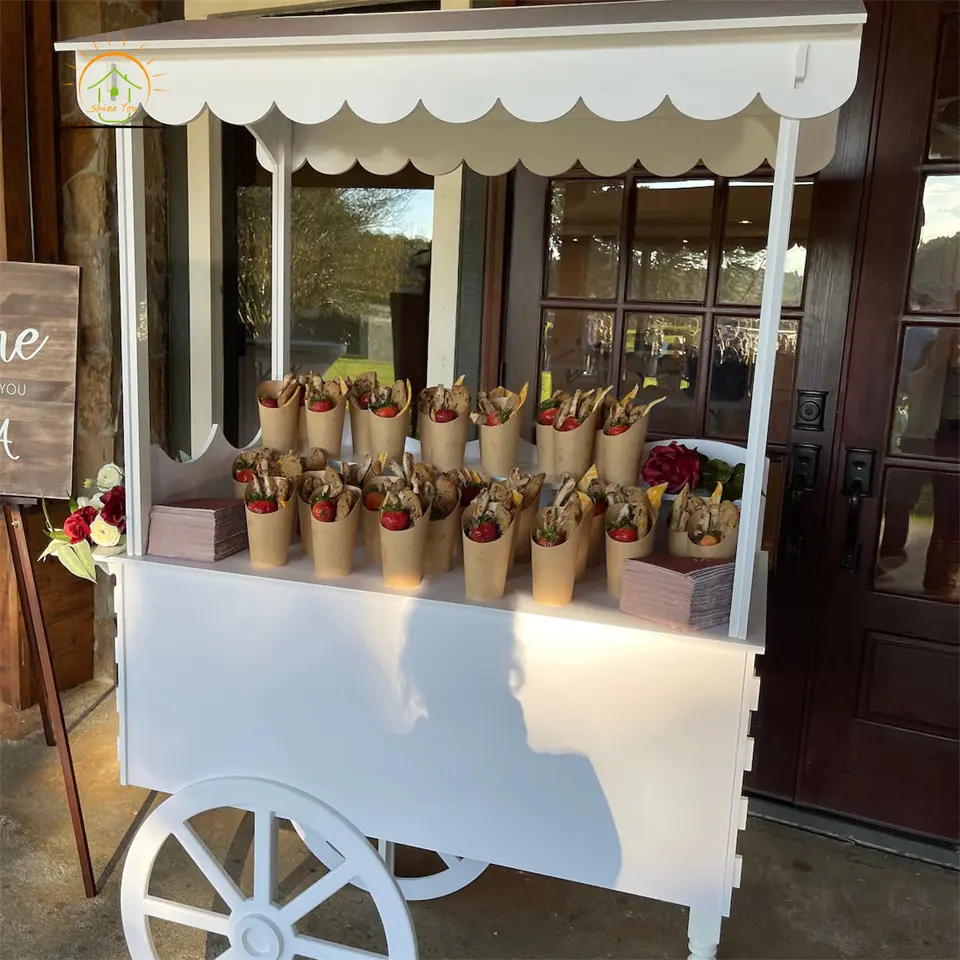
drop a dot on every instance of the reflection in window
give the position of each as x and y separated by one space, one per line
661 355
671 236
945 123
576 347
919 551
744 254
935 279
731 379
360 261
583 249
926 419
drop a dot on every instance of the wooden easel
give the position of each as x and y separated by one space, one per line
51 709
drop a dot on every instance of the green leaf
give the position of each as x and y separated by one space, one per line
51 549
58 535
74 506
46 514
78 560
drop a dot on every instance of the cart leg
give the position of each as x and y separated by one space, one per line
703 930
388 853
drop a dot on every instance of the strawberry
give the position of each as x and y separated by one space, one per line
547 415
547 537
571 423
324 510
321 406
483 530
243 476
617 429
395 519
468 494
496 418
390 410
623 534
599 508
268 402
373 500
263 506
443 416
364 401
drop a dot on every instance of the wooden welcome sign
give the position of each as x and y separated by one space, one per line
38 378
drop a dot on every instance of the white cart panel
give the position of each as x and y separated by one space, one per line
575 743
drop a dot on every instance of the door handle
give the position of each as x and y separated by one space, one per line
804 459
857 484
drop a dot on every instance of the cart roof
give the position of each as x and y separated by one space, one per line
603 83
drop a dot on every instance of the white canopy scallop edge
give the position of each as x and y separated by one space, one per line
668 82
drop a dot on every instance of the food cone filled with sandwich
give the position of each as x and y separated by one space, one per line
334 511
712 531
389 418
528 486
269 509
444 529
498 423
573 432
278 402
489 526
249 464
631 527
358 403
620 439
546 414
404 523
554 546
325 408
444 421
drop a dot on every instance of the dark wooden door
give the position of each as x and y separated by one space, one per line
882 725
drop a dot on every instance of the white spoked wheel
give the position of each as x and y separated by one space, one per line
257 927
454 875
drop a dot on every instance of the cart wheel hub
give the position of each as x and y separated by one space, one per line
258 938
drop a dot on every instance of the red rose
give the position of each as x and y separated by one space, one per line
114 509
77 525
673 463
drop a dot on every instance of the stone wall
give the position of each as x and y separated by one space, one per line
89 230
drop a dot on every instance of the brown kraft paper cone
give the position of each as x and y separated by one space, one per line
325 430
525 526
545 450
442 444
572 450
303 512
359 431
726 549
485 565
442 535
388 434
677 543
239 490
279 426
618 458
583 533
334 544
597 526
554 570
269 536
401 552
618 552
498 446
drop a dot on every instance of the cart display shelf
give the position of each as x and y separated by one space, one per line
577 743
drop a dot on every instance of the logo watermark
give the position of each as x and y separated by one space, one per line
114 83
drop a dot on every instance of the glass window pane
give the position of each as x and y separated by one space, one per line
935 279
575 351
583 248
731 379
945 125
926 416
360 259
671 236
661 354
919 551
744 253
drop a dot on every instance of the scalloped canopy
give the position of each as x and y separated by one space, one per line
669 82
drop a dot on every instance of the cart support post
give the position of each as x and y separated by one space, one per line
131 233
703 933
778 241
282 149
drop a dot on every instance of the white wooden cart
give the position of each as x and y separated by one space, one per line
573 743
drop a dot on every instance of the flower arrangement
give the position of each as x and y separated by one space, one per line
96 527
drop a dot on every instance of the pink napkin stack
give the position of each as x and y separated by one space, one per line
679 591
205 530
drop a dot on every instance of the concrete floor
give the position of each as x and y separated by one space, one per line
803 896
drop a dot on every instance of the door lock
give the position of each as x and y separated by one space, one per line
804 460
857 484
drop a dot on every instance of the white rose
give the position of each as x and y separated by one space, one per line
96 501
104 534
109 476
